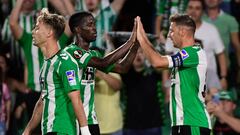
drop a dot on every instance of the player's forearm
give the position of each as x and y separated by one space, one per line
78 107
36 116
118 53
13 19
127 61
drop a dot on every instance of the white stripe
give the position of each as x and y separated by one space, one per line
51 96
170 107
178 98
201 69
83 58
77 127
44 103
21 21
87 96
170 62
100 31
36 67
28 24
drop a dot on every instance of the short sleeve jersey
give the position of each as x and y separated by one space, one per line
59 76
188 78
88 78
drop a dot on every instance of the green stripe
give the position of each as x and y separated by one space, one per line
195 130
46 100
24 22
31 23
91 105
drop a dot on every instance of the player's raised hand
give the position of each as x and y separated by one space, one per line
134 32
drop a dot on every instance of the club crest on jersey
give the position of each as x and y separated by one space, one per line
77 54
184 54
71 77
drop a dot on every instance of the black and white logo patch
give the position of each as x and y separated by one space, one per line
77 54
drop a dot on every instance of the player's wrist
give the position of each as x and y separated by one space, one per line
85 130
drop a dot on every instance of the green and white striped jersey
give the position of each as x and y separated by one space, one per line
105 20
59 76
188 78
34 58
88 78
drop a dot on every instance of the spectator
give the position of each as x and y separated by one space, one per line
144 104
107 103
5 99
165 9
212 44
223 109
229 34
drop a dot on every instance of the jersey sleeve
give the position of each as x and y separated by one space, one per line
182 59
69 72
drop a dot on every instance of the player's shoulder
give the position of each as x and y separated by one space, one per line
192 50
63 55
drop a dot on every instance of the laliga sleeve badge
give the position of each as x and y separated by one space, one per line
184 54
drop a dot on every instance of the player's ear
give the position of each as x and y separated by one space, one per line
50 33
77 29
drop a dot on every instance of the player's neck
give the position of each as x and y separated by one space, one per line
188 41
50 49
82 43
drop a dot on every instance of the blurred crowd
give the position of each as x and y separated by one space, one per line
134 103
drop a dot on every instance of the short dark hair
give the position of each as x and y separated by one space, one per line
77 19
55 21
184 20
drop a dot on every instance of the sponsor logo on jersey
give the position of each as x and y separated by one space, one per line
71 77
64 56
184 54
77 54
